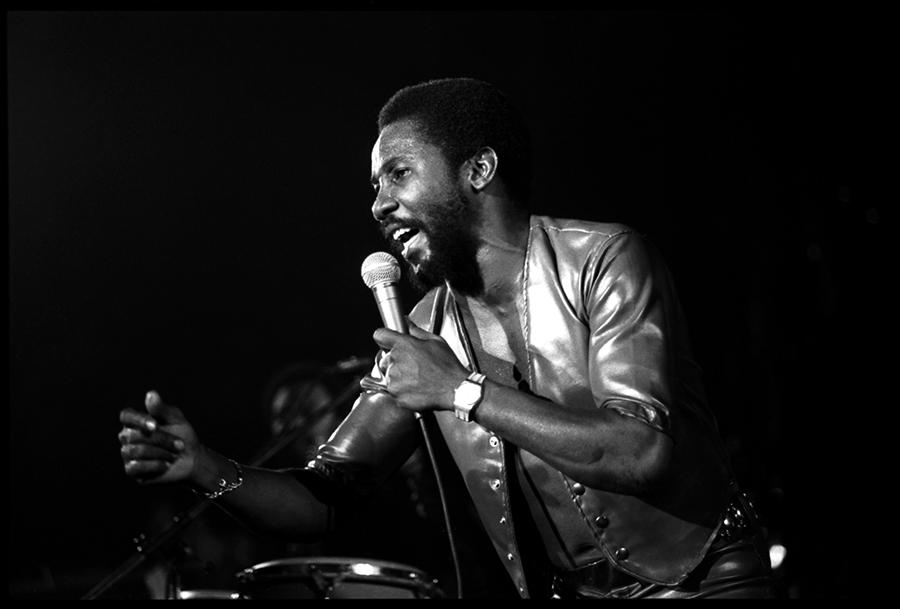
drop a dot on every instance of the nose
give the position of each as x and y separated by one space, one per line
383 206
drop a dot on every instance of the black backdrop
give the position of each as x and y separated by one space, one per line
189 207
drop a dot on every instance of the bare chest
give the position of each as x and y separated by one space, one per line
497 333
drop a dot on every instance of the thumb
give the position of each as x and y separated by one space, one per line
161 411
417 332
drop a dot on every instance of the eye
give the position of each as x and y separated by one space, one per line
399 173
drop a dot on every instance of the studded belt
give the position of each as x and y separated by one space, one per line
740 518
602 580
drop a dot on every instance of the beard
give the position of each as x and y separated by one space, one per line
449 226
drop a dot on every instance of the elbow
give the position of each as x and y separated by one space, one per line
652 465
640 468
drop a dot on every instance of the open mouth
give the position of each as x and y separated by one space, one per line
405 238
404 234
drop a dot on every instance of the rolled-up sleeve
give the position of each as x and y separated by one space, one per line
627 301
375 439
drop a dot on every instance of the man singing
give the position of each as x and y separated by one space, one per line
554 359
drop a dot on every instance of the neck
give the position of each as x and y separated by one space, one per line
501 260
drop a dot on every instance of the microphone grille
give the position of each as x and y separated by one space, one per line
380 267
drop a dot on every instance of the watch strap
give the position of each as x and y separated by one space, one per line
463 408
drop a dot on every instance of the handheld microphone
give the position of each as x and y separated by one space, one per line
381 272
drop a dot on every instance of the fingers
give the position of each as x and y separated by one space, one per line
161 411
137 420
386 339
154 443
147 457
418 332
142 420
146 452
381 360
152 399
369 384
161 439
146 469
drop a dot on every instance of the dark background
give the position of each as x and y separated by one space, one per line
189 206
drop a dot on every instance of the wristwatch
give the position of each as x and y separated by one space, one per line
468 395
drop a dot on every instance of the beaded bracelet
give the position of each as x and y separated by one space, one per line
225 486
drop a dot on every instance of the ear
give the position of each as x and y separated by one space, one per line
481 168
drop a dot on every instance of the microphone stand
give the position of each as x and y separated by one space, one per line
179 522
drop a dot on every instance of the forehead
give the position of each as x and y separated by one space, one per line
402 139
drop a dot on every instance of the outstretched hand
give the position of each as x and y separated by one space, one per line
419 368
158 445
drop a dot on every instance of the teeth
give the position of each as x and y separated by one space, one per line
399 233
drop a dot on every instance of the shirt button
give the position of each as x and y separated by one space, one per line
621 553
494 442
601 521
503 520
578 488
495 484
510 557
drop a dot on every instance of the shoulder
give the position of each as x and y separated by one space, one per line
573 228
588 255
584 239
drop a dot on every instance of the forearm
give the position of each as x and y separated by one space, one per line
268 500
598 447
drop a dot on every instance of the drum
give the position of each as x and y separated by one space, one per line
334 577
205 594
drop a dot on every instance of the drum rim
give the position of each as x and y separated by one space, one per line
339 569
299 560
208 593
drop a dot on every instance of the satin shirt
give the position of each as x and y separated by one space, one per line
603 329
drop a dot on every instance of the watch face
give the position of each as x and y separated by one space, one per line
468 393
